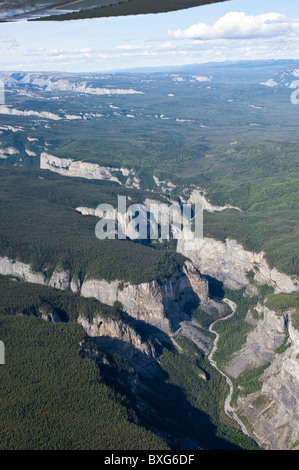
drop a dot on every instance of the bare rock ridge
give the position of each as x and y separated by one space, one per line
157 303
109 329
230 263
272 411
73 168
261 343
21 271
69 167
197 196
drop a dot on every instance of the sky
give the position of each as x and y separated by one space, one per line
233 30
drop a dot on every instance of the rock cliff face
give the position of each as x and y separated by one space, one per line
197 196
60 279
271 413
21 271
69 167
107 328
104 291
230 263
268 335
158 303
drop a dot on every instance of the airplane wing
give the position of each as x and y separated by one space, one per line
14 10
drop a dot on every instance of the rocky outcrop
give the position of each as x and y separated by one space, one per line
75 285
86 210
60 279
104 291
21 271
230 263
261 344
158 303
271 413
198 196
101 327
49 314
69 167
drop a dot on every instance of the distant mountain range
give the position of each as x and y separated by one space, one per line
283 79
249 71
270 73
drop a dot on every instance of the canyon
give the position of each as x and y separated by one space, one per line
268 414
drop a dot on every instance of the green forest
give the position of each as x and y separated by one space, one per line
40 226
55 396
235 140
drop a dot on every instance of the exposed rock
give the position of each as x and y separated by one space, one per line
272 412
75 285
60 279
106 327
51 317
86 211
104 291
69 167
251 290
197 196
195 333
117 337
230 263
158 303
281 282
261 343
21 271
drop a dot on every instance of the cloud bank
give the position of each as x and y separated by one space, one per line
238 25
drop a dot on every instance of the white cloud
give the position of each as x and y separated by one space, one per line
11 43
165 46
238 25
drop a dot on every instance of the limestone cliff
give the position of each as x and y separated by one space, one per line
198 196
271 413
268 335
60 279
21 271
108 328
230 263
158 303
69 167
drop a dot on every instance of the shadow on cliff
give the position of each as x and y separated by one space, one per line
143 362
155 403
151 399
216 288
